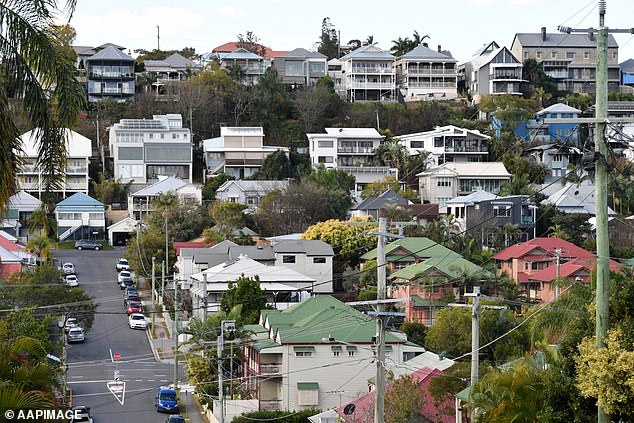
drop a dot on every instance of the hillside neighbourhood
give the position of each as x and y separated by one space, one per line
235 198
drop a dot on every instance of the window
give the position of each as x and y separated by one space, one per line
336 351
69 216
307 393
325 159
538 55
443 181
553 54
95 216
442 201
174 136
293 68
316 67
525 55
233 199
615 56
130 153
288 259
438 142
351 353
173 153
325 144
570 55
586 55
151 136
303 353
417 144
252 200
557 158
319 260
502 211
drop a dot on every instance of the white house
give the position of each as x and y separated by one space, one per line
369 74
141 200
283 286
449 180
144 149
239 152
312 258
16 216
343 146
120 232
448 144
30 176
425 74
80 217
248 193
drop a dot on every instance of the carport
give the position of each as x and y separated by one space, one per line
120 232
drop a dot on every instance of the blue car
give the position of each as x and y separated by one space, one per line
165 400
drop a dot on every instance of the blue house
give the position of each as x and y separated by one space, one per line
80 217
627 72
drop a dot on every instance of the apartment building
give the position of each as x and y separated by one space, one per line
449 180
239 152
144 149
110 74
300 67
425 74
75 178
491 70
448 144
343 146
369 74
571 59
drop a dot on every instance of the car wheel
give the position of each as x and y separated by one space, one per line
80 248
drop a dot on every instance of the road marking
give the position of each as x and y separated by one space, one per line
163 380
76 377
96 381
160 375
138 380
151 380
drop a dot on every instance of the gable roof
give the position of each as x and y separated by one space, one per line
548 245
127 224
302 53
177 61
480 169
77 145
627 66
451 266
486 57
247 267
474 197
309 247
415 247
80 200
369 52
24 201
110 53
240 54
169 184
573 198
255 252
558 108
232 46
557 40
255 185
422 52
387 197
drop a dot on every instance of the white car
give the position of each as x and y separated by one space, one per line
68 268
71 281
71 322
137 321
122 264
76 334
124 276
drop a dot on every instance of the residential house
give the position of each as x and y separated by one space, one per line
327 344
574 198
335 72
534 264
627 72
193 260
373 205
140 202
239 152
13 256
247 192
619 140
620 231
80 217
449 180
537 132
226 48
425 74
75 177
364 175
301 67
369 74
343 146
491 70
110 74
430 284
557 159
120 232
173 68
16 216
422 213
247 67
571 59
312 258
282 285
144 149
447 144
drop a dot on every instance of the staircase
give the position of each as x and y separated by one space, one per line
68 232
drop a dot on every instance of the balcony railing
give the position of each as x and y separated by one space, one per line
375 85
76 169
370 69
504 75
427 71
99 75
76 186
98 90
28 169
352 150
270 404
527 220
270 369
431 84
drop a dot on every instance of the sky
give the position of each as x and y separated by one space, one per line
460 26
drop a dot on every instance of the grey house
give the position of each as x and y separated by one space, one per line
301 67
372 206
110 74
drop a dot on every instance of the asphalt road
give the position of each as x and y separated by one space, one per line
91 365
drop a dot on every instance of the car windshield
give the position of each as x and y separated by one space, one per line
168 397
123 261
125 273
135 304
176 419
138 318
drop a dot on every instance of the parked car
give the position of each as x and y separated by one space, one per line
70 323
165 400
134 307
131 297
175 419
137 321
124 275
68 268
130 290
83 414
122 264
86 244
71 281
75 334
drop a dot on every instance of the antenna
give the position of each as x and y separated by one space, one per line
158 37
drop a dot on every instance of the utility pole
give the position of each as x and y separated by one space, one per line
176 307
558 286
162 277
381 293
166 243
475 335
158 38
153 288
601 122
230 326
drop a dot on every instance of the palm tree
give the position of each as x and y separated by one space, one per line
396 213
41 246
418 40
40 223
556 231
392 153
369 41
401 46
148 80
37 73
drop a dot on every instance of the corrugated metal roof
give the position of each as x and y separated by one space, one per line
110 53
560 40
425 53
308 247
79 199
558 108
627 66
369 52
77 145
302 53
480 169
169 184
241 54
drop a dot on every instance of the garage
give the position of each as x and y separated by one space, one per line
120 232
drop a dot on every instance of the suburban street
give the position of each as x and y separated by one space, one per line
90 364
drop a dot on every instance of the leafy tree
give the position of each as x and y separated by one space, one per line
401 46
110 191
415 331
329 45
275 167
404 401
36 72
533 72
65 36
184 221
391 152
518 185
227 216
40 222
251 42
247 293
331 179
376 188
278 416
150 243
311 104
41 246
396 213
213 183
24 322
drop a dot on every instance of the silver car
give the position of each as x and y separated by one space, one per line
75 334
68 268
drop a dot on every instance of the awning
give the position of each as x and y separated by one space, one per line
336 348
304 348
351 348
308 386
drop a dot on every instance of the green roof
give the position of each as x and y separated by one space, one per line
419 247
307 386
464 394
254 329
265 343
426 302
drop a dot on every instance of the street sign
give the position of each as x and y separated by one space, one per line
118 390
116 356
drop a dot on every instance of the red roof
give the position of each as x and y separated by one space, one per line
523 277
189 244
422 210
233 46
548 245
10 245
569 269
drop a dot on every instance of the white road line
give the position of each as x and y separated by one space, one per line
138 380
160 375
96 381
151 380
164 380
76 377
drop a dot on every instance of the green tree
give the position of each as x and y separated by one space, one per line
391 152
331 179
247 293
227 216
213 183
415 331
150 242
404 401
40 223
110 191
36 72
251 42
518 185
41 246
401 46
184 221
533 72
275 167
329 45
376 188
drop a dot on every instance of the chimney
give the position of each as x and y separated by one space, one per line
439 48
591 34
543 33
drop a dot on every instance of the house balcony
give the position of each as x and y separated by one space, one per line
270 405
431 84
76 169
76 187
99 90
506 76
28 186
460 149
355 150
427 71
28 169
110 75
374 85
270 369
557 74
370 69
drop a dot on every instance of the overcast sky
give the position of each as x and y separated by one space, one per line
460 26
